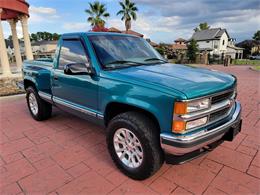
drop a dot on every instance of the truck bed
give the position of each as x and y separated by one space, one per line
39 72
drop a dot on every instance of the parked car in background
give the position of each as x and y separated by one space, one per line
153 111
257 57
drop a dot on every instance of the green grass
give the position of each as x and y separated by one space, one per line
245 62
257 67
173 61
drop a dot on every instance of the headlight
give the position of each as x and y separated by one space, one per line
198 105
181 108
196 123
179 126
192 106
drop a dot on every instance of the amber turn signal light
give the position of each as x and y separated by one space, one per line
178 126
180 108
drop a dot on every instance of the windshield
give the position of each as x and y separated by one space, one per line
117 51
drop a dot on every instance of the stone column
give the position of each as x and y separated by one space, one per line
3 52
26 37
17 53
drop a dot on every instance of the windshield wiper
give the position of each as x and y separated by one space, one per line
124 62
121 64
152 59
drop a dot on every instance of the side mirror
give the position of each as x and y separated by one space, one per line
78 69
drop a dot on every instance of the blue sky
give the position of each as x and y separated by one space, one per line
160 20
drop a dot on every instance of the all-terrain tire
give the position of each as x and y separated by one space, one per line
147 133
39 108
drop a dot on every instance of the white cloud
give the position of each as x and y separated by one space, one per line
240 18
42 10
147 25
76 26
43 14
37 15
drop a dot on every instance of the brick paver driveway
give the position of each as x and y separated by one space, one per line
67 155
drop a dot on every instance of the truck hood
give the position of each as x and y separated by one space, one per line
193 82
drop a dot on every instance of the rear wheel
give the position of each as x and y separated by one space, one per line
39 109
134 145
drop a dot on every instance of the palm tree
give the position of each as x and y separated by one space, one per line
97 12
128 13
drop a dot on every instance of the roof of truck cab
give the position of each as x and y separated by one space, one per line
96 33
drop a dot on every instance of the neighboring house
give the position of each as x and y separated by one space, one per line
44 46
217 42
41 48
152 43
251 47
179 45
234 51
179 49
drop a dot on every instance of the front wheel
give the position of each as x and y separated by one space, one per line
133 143
39 109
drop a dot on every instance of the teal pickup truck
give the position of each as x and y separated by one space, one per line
153 111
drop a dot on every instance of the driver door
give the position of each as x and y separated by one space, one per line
75 93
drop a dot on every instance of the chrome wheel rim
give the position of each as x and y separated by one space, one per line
128 148
33 103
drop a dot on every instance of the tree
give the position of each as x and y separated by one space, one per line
128 13
55 36
10 38
34 37
96 12
192 50
257 36
40 36
202 26
44 36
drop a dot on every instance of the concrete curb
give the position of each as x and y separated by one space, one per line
12 96
251 68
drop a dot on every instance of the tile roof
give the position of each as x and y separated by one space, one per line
113 29
179 46
131 32
180 40
234 47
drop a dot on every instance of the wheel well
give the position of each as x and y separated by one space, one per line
28 83
113 109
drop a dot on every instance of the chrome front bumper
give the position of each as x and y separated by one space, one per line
184 144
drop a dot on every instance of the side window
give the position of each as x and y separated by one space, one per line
72 51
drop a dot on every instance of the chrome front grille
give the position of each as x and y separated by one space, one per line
229 98
221 106
221 97
218 115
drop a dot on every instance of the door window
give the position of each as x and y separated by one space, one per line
72 51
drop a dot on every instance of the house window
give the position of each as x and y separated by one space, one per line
207 41
223 43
